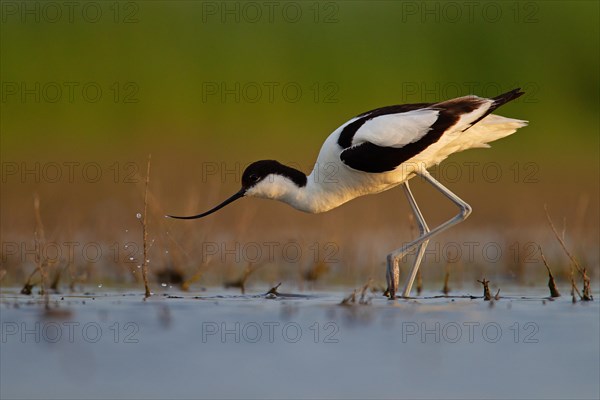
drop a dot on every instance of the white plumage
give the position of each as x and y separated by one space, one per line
381 149
396 130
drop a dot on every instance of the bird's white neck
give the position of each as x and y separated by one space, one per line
311 198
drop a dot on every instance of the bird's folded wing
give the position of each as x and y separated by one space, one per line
383 142
396 130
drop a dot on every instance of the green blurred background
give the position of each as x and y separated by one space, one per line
374 53
217 82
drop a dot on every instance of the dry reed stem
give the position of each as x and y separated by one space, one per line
349 300
185 285
561 241
40 239
56 280
363 292
446 288
487 296
241 282
273 290
551 283
587 296
574 290
145 233
419 283
28 286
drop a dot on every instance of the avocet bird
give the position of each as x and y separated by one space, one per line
381 149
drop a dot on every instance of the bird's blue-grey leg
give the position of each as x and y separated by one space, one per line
393 263
423 229
465 210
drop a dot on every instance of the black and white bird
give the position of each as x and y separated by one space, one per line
381 149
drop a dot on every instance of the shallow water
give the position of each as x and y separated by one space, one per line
215 345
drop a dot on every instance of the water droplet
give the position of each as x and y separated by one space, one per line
163 284
138 216
166 251
130 258
100 285
126 246
126 230
147 261
139 266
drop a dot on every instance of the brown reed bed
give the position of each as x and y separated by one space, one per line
361 244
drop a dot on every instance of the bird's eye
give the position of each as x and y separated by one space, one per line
253 178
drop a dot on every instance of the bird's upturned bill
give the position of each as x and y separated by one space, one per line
217 208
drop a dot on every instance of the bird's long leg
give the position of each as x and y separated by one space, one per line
423 229
465 210
393 273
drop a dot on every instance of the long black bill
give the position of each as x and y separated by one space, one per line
217 208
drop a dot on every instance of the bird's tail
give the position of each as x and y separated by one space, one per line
495 126
491 128
499 101
505 98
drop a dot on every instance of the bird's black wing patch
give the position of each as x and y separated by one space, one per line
369 157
